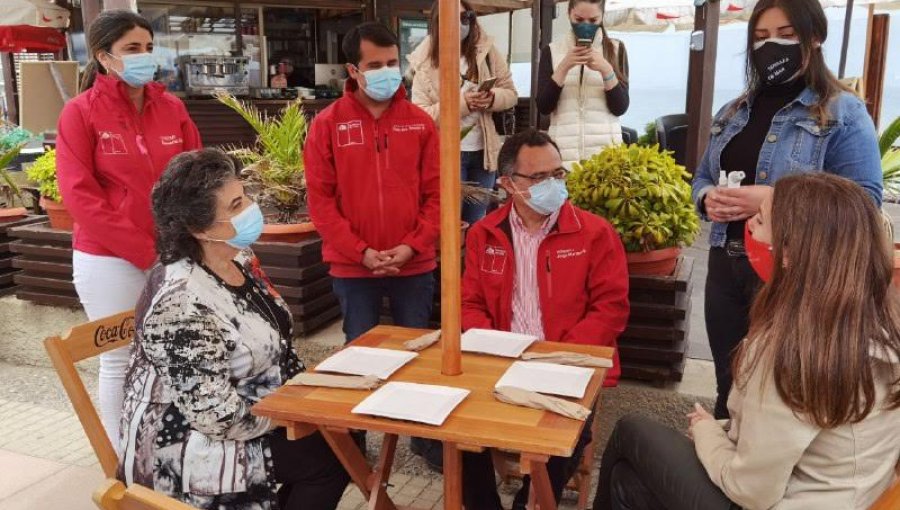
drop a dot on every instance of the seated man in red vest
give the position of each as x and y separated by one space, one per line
543 267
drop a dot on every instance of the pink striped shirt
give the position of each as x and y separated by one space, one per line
526 301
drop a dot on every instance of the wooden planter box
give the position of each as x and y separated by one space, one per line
45 257
300 276
7 271
654 343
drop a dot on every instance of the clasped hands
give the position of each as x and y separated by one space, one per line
387 262
724 205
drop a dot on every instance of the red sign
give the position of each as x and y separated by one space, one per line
16 38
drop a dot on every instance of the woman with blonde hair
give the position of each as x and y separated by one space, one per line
815 406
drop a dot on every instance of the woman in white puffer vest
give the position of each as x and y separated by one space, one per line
582 84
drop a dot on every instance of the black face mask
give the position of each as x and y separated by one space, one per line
777 60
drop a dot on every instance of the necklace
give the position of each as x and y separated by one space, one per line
268 313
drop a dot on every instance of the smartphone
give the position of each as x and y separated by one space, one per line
584 42
487 84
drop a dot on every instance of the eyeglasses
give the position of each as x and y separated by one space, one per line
467 17
559 173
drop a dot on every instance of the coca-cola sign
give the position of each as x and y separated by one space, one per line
123 332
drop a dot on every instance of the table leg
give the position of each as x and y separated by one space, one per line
540 481
452 477
372 483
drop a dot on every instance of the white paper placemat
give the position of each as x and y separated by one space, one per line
366 361
424 403
497 343
549 378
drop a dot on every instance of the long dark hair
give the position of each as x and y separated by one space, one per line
609 50
109 27
830 304
811 26
469 48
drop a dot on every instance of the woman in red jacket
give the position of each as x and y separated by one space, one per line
114 141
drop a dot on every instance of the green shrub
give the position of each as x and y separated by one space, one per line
43 173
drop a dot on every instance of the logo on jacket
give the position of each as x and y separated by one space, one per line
568 253
112 143
494 260
405 128
171 140
350 133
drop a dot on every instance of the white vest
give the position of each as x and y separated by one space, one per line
581 124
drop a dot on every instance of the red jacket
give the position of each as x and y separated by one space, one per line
108 157
373 183
582 277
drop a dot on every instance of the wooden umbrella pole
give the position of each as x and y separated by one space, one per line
451 247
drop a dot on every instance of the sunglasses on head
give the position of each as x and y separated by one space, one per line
467 17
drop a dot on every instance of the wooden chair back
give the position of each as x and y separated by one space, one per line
80 343
890 500
113 495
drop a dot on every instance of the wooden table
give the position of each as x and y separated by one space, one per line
478 422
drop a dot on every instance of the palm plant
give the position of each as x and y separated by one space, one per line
273 171
11 191
890 158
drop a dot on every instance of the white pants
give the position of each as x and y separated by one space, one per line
107 286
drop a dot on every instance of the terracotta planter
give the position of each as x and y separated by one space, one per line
60 219
653 263
287 232
12 214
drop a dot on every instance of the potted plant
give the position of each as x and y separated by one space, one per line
273 172
643 193
890 168
43 173
9 190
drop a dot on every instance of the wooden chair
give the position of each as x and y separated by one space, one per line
113 495
80 343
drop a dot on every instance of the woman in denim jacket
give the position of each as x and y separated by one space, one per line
795 117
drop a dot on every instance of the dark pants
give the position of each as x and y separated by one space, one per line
648 466
731 286
480 485
410 298
472 170
312 477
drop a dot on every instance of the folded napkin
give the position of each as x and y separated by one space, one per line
423 342
569 358
520 397
352 382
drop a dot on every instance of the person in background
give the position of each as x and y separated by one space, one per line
816 400
543 267
583 84
213 337
372 171
794 117
114 141
479 62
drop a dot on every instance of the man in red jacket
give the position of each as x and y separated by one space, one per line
544 267
372 173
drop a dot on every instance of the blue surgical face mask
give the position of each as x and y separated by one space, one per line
137 69
248 226
585 30
382 84
464 29
548 196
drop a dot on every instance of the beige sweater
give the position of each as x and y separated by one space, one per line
766 457
426 90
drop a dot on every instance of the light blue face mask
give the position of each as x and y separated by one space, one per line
548 196
137 69
248 226
382 84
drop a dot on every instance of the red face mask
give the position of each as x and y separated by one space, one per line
759 254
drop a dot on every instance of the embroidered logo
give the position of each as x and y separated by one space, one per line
350 133
405 128
494 260
568 253
112 143
171 140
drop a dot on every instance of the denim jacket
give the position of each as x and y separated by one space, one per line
847 146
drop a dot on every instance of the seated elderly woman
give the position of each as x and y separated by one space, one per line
213 338
816 403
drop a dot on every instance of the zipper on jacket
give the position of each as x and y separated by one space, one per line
378 175
581 115
549 279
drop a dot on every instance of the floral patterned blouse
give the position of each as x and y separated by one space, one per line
204 353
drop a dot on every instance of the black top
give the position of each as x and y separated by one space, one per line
260 301
548 91
742 152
